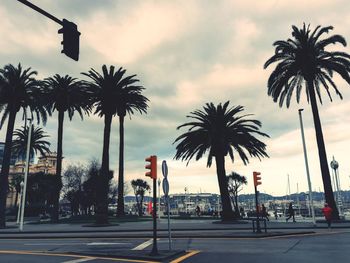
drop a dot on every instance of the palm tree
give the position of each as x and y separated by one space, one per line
140 187
234 183
37 143
64 94
303 60
18 90
116 95
221 131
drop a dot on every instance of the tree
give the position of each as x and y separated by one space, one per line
114 94
140 187
15 183
37 143
235 182
18 90
221 131
303 61
64 94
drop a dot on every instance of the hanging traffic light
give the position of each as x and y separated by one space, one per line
257 178
70 41
152 166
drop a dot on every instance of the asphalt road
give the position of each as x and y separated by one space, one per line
324 246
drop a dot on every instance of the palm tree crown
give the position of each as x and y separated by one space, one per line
219 131
37 144
115 94
67 94
20 90
304 58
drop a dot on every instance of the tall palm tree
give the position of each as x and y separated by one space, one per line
221 131
64 94
114 95
37 142
301 61
18 90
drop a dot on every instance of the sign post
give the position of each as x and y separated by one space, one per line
166 194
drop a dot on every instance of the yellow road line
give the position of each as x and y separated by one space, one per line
42 253
182 258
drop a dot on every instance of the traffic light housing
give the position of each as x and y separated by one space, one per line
70 41
257 178
152 166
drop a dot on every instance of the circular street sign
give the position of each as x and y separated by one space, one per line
164 169
165 186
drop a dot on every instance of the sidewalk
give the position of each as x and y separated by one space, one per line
180 228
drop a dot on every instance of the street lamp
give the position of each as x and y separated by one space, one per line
336 182
20 202
307 168
159 181
26 174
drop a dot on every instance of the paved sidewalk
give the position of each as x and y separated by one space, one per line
180 228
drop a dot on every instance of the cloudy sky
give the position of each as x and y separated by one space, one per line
185 53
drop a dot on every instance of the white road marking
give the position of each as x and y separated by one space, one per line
78 260
144 245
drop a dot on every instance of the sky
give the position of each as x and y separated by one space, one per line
185 54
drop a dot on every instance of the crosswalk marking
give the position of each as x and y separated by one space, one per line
143 245
79 260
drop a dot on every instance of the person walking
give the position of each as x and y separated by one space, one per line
327 212
291 212
264 213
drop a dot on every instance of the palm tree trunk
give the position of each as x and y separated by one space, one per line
120 207
58 180
227 213
4 181
326 178
102 189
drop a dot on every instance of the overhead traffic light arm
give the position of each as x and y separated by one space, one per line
69 30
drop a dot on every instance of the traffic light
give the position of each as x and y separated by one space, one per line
256 178
152 166
70 41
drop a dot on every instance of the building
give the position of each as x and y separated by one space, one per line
46 164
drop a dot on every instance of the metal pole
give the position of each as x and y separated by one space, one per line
258 229
159 197
26 174
20 203
169 229
41 11
154 251
307 168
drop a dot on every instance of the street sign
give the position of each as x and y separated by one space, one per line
164 169
165 186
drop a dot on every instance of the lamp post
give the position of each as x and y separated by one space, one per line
20 202
23 198
335 165
311 203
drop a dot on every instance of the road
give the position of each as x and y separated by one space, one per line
323 246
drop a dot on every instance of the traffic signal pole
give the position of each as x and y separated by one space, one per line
41 11
258 228
152 167
154 251
69 30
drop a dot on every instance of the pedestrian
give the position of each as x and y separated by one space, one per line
241 211
327 212
291 212
264 213
198 211
275 213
